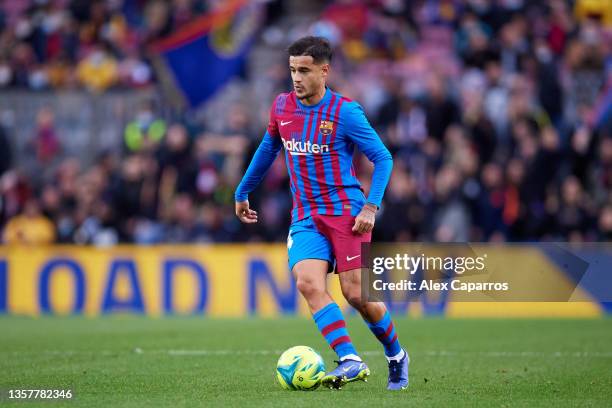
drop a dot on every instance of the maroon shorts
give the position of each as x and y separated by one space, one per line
329 238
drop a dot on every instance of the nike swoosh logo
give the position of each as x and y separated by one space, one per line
348 259
285 123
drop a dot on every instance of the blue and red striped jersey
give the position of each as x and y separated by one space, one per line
319 141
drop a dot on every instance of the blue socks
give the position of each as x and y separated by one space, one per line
332 326
385 332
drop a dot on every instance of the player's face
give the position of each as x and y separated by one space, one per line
308 78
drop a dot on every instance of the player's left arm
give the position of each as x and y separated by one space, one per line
359 131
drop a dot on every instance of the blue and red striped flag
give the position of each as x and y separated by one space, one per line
201 57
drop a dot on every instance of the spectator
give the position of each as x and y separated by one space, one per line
29 228
605 224
450 218
573 215
46 143
440 110
98 71
146 131
6 154
497 116
184 225
177 164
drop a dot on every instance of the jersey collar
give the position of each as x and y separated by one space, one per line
325 99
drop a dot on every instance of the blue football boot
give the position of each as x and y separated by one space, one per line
347 371
398 373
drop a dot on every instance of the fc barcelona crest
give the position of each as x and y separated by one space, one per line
326 127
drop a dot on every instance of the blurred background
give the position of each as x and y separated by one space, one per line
132 121
126 125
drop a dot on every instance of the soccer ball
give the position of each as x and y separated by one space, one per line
300 368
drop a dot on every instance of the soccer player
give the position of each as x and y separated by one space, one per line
331 217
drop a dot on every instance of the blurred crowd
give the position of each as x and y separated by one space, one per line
91 44
498 115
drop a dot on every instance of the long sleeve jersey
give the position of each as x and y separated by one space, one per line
319 141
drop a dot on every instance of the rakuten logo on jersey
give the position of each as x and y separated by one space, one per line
299 148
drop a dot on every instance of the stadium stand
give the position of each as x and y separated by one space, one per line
498 116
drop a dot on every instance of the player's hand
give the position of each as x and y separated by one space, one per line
244 213
364 222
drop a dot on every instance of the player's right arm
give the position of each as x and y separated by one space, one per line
260 164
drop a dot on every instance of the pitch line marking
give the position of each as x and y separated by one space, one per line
226 352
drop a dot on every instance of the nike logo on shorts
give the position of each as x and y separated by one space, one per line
350 258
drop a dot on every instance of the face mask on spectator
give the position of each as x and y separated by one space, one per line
5 74
97 58
543 54
144 118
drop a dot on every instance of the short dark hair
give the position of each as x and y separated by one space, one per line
316 47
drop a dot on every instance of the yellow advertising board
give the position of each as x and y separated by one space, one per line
231 280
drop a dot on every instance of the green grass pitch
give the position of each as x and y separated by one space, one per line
189 362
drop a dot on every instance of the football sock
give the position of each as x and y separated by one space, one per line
398 356
332 326
385 332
